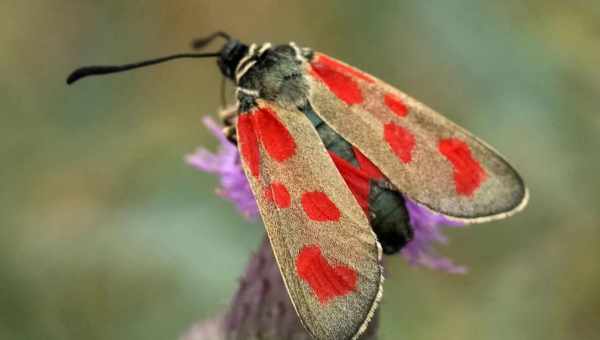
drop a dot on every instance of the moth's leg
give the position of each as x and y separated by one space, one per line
231 133
228 117
228 114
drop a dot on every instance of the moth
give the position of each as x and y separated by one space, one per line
331 153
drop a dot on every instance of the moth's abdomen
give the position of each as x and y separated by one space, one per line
389 217
383 205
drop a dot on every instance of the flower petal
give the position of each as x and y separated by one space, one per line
226 164
427 230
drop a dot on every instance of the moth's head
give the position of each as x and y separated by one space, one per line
230 55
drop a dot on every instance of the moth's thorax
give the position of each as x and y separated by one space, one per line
274 73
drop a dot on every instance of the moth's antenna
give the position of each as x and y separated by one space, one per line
201 42
100 70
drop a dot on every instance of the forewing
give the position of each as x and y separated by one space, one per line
324 246
427 157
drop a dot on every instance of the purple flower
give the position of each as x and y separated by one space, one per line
226 164
234 186
427 230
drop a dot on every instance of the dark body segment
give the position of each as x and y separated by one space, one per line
385 206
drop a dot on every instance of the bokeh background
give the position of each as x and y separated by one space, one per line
106 233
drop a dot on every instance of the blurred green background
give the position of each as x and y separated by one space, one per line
107 234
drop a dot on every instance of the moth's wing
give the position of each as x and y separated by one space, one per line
427 157
329 257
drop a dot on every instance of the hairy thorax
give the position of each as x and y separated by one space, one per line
277 76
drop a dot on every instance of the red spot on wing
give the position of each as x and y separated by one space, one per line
339 79
358 178
468 174
395 104
400 140
325 280
278 194
275 137
248 143
318 207
344 68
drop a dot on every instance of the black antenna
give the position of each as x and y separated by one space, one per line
201 42
100 70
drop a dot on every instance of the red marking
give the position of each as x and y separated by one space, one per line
275 137
338 79
468 174
318 207
278 194
366 165
400 140
248 143
344 68
395 104
358 178
325 280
